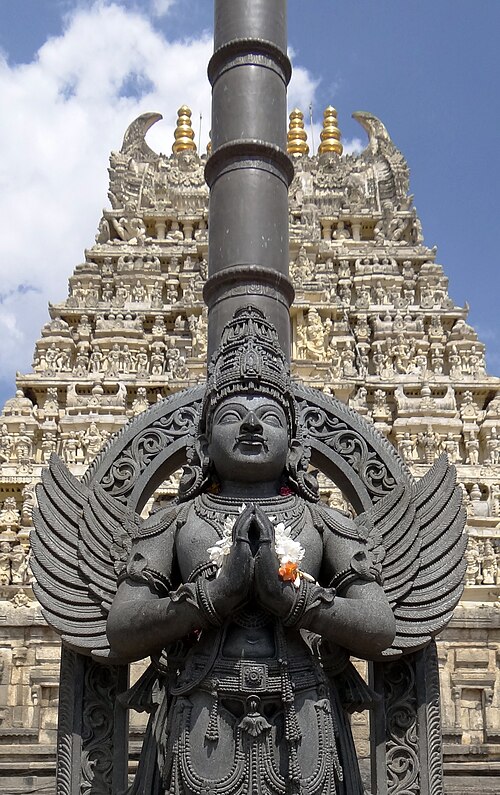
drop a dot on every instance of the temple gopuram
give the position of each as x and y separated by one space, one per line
373 324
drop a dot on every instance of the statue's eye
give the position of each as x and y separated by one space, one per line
228 416
271 417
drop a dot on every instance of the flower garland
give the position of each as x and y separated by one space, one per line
288 551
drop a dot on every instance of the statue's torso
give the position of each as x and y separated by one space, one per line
252 634
260 704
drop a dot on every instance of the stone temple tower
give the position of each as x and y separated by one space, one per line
373 323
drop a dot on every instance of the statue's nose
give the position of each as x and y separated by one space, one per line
251 423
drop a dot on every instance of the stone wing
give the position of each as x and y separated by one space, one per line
419 536
80 542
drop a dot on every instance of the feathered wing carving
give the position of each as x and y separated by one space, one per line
80 542
419 536
82 537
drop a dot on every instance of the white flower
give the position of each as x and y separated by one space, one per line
287 550
219 551
222 548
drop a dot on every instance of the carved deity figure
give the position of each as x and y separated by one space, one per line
493 447
96 357
472 448
359 402
156 295
451 448
5 570
472 576
248 593
198 329
489 563
29 502
315 349
429 442
92 440
23 444
348 358
141 402
70 449
6 444
139 292
406 445
19 565
9 517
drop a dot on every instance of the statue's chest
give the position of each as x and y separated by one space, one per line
210 525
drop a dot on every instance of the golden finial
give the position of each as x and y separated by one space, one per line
330 135
297 136
184 134
209 145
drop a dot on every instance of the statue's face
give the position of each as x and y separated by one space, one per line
249 439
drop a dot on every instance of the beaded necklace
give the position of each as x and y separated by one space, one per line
214 509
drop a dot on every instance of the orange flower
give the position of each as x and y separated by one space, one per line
289 571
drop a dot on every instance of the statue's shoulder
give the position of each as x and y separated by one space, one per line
348 550
332 521
152 549
163 522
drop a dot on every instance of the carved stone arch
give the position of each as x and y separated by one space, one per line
349 450
344 446
147 450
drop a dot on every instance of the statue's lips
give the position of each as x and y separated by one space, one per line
251 443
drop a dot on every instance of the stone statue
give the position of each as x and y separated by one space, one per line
248 593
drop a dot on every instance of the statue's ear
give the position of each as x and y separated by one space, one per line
296 452
196 472
304 482
201 448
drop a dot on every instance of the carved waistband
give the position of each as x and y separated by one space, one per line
263 677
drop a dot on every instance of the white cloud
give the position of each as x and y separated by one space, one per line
352 146
63 113
301 95
61 116
302 89
159 8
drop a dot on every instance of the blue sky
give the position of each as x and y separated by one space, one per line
74 74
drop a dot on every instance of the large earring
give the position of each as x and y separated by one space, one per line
304 482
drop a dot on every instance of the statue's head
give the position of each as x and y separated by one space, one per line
249 430
248 439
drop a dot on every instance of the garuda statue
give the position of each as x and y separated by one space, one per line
247 592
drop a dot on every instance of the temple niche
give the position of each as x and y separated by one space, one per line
372 323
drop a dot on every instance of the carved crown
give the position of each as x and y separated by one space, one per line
249 359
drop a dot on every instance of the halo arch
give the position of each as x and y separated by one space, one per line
344 446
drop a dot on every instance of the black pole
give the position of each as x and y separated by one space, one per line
249 171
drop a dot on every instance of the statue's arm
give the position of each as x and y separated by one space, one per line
358 618
144 617
350 607
347 607
147 613
141 622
